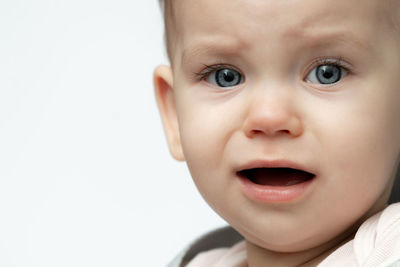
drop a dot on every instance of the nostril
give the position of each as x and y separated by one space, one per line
258 132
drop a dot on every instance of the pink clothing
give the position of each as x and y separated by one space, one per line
376 244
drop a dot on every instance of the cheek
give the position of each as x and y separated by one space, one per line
202 142
201 138
205 128
360 148
203 147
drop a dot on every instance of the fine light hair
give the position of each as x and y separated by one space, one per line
168 15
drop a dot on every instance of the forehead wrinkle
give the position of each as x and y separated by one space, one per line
306 27
312 29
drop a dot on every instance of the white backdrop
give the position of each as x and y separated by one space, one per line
85 175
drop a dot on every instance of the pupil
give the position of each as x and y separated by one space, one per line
328 73
228 76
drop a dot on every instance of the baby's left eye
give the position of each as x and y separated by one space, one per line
326 74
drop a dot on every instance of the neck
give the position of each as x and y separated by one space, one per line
258 256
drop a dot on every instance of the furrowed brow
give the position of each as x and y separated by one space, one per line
335 38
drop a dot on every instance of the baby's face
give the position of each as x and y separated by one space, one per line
304 84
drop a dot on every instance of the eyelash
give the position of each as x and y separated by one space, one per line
208 69
337 61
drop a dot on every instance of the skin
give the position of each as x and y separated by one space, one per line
346 133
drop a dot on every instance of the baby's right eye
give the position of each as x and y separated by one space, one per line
222 76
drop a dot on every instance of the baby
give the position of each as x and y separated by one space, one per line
287 114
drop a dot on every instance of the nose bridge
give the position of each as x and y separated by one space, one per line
271 111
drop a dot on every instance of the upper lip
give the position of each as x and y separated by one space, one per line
255 164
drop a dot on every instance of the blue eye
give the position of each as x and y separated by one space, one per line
326 74
225 77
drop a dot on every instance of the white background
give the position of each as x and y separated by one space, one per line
85 175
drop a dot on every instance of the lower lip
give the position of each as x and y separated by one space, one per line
274 194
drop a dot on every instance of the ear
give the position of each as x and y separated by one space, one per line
164 91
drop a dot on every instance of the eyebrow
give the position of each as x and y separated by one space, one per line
219 47
215 47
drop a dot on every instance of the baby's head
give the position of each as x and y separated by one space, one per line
286 112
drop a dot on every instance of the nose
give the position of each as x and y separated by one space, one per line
272 115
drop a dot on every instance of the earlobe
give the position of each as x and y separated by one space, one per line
163 85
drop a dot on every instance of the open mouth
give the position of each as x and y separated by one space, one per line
276 176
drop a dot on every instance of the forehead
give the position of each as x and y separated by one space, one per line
243 23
